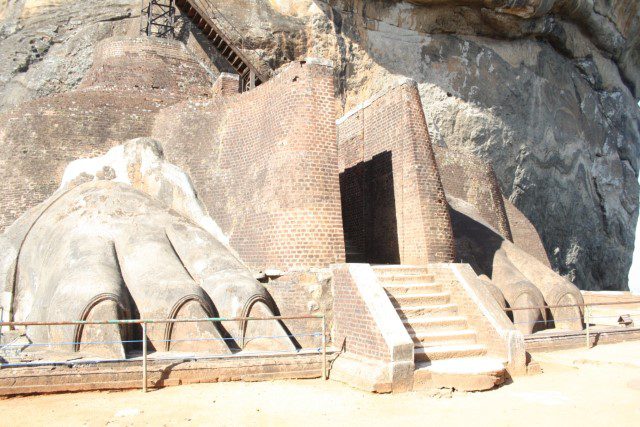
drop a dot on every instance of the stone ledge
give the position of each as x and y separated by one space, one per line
552 341
128 375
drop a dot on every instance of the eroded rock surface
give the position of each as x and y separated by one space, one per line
46 46
547 93
126 237
545 90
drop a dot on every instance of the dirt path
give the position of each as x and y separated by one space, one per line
578 388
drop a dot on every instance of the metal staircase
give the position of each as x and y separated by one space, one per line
159 20
202 13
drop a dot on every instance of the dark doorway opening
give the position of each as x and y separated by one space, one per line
369 211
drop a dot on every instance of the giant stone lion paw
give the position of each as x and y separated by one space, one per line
125 237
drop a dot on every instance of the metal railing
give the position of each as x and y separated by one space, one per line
587 317
322 334
214 13
233 37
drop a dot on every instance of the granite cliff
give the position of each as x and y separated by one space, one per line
546 90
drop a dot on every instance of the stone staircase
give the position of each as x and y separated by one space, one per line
446 349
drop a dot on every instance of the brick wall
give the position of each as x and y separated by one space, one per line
473 180
226 84
39 138
394 207
265 164
524 234
150 64
353 323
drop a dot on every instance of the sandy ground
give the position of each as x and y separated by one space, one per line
596 387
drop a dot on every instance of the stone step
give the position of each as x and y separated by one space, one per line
413 311
439 298
435 324
397 289
464 374
390 270
406 278
444 337
426 354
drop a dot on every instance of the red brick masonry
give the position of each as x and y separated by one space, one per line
266 165
394 205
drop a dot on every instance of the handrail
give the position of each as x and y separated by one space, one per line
205 10
593 304
140 321
145 322
218 12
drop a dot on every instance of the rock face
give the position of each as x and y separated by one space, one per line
545 90
46 46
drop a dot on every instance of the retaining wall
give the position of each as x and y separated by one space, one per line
117 102
265 164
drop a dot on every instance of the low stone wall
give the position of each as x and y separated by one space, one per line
564 340
128 375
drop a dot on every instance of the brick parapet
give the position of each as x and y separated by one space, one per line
367 327
388 134
473 180
268 161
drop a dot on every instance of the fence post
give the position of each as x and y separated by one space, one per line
144 356
324 348
586 321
